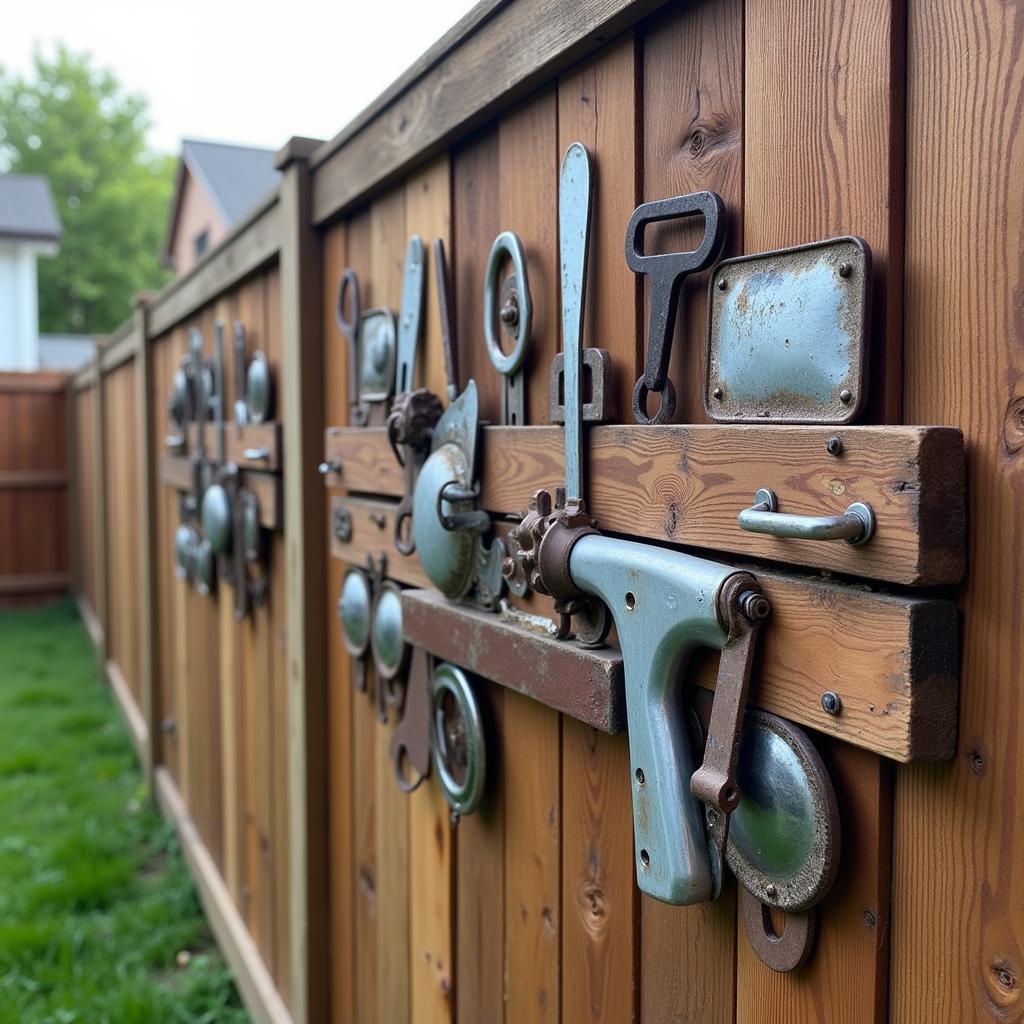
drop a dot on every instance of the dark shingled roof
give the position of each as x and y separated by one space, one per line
238 177
27 209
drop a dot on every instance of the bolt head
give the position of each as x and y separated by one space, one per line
845 396
722 284
509 313
770 891
717 393
831 702
845 269
834 446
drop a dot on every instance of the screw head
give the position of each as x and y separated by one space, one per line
845 396
509 313
717 393
845 269
722 284
831 702
834 446
770 891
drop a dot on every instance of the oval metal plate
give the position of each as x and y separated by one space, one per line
354 612
258 388
784 837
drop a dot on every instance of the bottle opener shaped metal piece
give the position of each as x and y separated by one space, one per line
666 272
370 337
414 411
513 308
664 604
787 334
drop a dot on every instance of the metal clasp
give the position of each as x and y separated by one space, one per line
856 525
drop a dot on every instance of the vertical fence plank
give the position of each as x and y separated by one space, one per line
389 233
302 356
100 525
342 945
958 874
828 82
431 840
692 140
597 105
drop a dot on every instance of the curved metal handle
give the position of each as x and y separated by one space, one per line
256 454
475 519
856 525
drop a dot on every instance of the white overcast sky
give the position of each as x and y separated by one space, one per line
237 71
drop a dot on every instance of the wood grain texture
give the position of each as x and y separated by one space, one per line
693 140
388 236
687 485
431 838
828 81
505 58
958 919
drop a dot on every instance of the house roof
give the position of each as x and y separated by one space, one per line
27 209
237 177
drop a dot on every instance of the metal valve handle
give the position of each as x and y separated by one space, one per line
856 525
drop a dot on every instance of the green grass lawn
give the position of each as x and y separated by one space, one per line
99 922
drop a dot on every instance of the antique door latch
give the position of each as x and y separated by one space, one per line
514 308
664 605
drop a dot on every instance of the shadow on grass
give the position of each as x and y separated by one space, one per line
99 922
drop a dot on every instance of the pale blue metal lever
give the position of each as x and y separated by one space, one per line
665 604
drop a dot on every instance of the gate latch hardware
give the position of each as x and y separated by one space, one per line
856 525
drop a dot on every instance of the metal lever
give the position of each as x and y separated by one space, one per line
744 608
451 360
856 525
667 272
241 409
349 327
256 454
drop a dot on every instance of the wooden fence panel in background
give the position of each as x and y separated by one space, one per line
34 549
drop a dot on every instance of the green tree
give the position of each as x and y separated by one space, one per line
74 124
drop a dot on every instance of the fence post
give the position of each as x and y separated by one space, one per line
148 666
100 536
305 525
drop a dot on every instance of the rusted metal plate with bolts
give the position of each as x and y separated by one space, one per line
787 334
584 683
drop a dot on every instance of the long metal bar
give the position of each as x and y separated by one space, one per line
575 189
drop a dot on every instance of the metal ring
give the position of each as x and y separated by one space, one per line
507 243
463 797
665 411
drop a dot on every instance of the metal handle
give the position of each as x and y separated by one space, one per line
256 454
856 525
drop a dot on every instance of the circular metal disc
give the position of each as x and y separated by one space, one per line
784 837
179 399
258 388
389 649
354 612
457 746
216 517
448 557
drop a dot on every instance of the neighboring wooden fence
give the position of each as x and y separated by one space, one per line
335 896
34 548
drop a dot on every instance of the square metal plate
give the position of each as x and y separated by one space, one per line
787 335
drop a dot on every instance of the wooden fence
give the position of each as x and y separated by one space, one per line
339 898
34 549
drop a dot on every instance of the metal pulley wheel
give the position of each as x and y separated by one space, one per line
217 519
390 651
457 745
258 389
354 606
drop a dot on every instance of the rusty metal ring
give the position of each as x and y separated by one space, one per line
665 411
785 952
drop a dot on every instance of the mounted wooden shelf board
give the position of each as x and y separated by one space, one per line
251 446
892 660
687 485
176 471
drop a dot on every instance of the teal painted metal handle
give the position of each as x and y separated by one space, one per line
856 525
665 604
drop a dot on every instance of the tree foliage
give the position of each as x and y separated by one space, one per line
74 124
